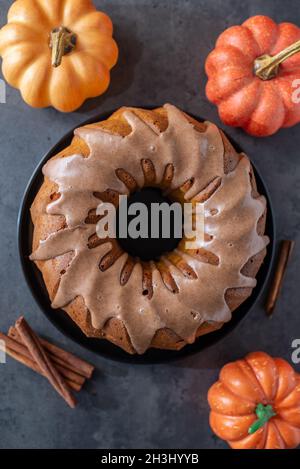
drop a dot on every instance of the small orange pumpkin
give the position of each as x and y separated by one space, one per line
256 403
57 52
252 75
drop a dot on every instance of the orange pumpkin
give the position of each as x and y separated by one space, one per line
256 403
253 73
58 52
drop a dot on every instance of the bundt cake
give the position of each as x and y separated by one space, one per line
167 302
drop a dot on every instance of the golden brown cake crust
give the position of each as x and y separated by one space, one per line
45 224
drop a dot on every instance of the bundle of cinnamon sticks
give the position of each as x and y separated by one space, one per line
64 371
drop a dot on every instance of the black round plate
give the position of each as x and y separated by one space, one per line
103 347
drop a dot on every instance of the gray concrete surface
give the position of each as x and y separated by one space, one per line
163 45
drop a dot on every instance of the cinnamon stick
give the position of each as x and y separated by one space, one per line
18 346
59 364
58 355
31 340
21 354
286 248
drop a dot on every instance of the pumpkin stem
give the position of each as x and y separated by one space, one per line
62 41
264 413
266 67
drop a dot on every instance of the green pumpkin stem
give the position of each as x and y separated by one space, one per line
62 41
263 413
266 67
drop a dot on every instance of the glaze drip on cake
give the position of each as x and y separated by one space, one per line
231 217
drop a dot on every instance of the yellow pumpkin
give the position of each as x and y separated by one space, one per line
57 52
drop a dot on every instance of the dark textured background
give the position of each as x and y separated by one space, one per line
163 45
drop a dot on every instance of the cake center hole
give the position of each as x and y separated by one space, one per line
149 224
